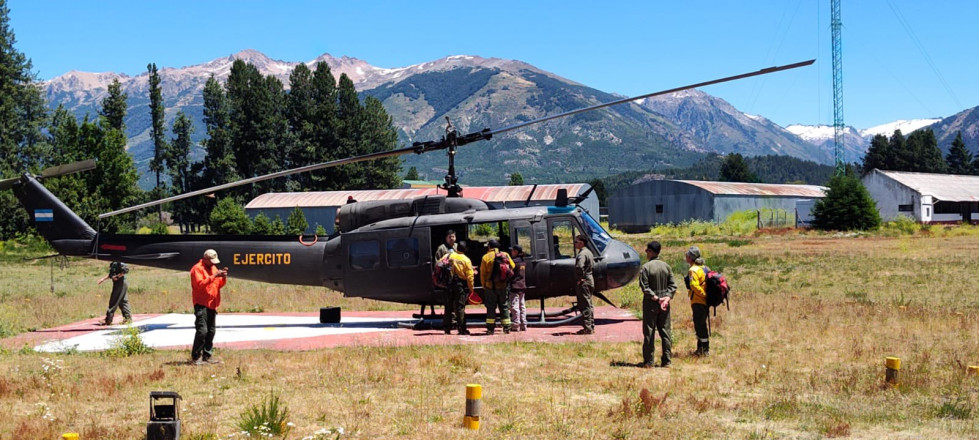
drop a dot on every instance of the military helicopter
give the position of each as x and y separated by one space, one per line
387 248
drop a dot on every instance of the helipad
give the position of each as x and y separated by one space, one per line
298 331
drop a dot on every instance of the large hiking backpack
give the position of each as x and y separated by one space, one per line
442 272
717 289
501 268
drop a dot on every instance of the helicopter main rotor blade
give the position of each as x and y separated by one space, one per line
649 95
425 147
74 167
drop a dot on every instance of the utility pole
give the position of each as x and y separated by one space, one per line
838 126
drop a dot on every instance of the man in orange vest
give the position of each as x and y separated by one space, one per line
206 281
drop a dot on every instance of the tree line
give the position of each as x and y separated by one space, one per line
254 127
919 152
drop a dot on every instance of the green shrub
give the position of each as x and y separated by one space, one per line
160 229
261 225
296 223
228 217
267 419
902 225
129 344
846 207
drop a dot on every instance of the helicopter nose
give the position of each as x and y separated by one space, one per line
621 264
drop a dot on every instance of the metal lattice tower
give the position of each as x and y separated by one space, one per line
838 127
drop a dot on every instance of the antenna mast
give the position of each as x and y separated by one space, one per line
838 127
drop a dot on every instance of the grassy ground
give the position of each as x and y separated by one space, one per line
799 355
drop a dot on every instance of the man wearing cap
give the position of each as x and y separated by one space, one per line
206 281
657 286
696 281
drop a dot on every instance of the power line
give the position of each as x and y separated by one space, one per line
924 53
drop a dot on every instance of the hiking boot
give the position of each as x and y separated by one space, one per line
127 321
213 360
447 331
706 350
106 321
197 362
463 331
646 365
664 365
506 329
585 331
523 327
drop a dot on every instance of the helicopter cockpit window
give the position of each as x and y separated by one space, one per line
595 230
562 239
365 255
402 252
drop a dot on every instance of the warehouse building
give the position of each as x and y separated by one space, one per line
642 205
925 197
320 207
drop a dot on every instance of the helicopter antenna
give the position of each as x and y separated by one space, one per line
451 141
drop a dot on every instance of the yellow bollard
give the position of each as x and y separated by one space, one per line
474 398
973 370
893 365
69 436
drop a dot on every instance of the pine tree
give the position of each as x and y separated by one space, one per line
157 131
877 154
847 206
22 116
325 121
114 106
375 133
296 223
228 217
219 160
412 174
959 158
900 158
261 225
178 166
735 169
515 179
300 108
927 156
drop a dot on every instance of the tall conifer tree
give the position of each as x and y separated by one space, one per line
156 129
959 158
877 155
114 106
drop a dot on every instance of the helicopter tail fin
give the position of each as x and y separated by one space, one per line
59 225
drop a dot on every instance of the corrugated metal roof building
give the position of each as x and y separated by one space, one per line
640 206
320 207
925 197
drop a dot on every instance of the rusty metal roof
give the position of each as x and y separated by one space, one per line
758 189
484 193
945 187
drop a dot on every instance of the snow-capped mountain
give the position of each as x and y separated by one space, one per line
905 125
855 141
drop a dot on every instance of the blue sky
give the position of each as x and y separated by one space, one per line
902 59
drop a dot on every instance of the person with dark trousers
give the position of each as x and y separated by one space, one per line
495 288
657 287
518 290
120 296
459 289
584 284
206 281
696 281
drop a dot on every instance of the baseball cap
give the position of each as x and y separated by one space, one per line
212 255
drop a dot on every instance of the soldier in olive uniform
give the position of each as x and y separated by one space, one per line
119 298
448 246
458 291
657 286
584 285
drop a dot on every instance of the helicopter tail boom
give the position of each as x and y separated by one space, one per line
58 224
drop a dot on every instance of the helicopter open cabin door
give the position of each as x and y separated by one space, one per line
389 265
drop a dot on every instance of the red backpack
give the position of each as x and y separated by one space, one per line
442 272
501 268
717 289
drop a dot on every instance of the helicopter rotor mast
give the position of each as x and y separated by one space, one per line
451 141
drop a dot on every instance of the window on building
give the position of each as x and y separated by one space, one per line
365 255
948 208
402 252
905 208
659 209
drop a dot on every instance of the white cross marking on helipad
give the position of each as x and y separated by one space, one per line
173 330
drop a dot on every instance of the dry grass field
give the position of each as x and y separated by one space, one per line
799 355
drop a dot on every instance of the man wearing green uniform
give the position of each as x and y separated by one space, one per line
495 294
657 286
584 284
119 298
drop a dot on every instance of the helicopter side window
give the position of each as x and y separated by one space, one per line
523 237
562 239
483 232
402 252
365 255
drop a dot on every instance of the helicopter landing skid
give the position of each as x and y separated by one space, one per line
477 320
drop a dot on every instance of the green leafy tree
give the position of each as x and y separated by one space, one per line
877 155
261 225
179 167
229 217
296 223
515 179
959 158
114 107
735 169
847 206
412 174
